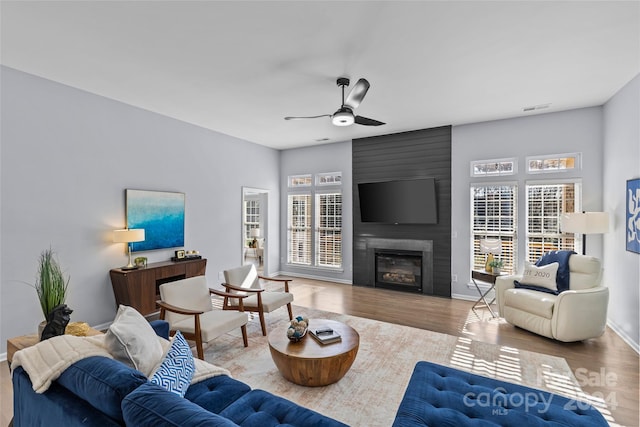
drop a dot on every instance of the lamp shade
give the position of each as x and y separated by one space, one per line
128 235
255 232
490 246
585 222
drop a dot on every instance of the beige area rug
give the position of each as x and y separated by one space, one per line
370 393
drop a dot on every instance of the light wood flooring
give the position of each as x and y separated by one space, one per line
608 355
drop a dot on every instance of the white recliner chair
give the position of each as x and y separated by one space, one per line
573 315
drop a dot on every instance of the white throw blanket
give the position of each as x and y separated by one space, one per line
45 361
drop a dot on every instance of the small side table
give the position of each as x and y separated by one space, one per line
486 277
24 341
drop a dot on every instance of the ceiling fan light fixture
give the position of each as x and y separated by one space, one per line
342 118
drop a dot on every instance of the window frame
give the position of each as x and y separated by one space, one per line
551 237
305 256
313 255
248 225
475 163
320 229
292 181
508 235
562 156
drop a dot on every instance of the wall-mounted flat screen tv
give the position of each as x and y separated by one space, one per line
410 201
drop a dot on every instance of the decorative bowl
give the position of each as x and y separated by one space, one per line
297 330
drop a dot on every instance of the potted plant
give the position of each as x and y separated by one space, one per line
496 265
51 285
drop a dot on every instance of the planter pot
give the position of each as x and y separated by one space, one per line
41 326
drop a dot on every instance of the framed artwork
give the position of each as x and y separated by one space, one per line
633 215
160 213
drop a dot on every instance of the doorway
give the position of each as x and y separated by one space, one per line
254 231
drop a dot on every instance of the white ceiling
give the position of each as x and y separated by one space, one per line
239 67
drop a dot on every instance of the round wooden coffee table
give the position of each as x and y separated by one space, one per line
310 363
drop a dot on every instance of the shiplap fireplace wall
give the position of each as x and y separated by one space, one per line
417 154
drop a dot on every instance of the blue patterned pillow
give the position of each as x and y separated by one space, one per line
177 368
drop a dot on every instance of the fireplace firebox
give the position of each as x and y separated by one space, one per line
398 269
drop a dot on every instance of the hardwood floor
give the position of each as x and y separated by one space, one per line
605 366
607 358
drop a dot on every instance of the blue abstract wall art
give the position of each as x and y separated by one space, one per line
160 213
633 215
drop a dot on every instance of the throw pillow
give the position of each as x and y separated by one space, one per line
177 368
543 277
131 340
562 258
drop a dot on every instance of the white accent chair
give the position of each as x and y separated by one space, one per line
186 305
577 314
246 282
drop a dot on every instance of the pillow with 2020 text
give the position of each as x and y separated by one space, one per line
544 276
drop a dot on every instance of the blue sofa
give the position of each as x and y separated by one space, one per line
442 396
98 391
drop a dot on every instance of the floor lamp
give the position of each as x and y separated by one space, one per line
585 223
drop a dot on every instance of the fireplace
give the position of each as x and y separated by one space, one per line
399 269
400 264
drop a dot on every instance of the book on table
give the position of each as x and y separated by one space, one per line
325 335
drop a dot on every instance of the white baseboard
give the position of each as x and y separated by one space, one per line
626 338
3 357
465 297
313 277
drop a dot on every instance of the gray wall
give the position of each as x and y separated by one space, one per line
622 162
334 157
555 133
67 157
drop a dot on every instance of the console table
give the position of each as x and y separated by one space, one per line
139 288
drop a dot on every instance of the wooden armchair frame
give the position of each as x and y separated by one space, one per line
228 300
197 335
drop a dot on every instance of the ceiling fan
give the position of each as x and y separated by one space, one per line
344 116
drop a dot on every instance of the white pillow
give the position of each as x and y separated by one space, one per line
131 340
544 276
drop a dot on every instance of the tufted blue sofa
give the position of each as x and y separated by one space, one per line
98 391
442 396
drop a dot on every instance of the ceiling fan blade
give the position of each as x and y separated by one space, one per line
357 94
307 117
367 122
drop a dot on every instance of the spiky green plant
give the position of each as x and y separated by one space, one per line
51 284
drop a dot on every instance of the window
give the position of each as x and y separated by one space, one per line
545 204
299 229
314 233
300 181
553 163
251 217
331 178
497 167
494 216
329 230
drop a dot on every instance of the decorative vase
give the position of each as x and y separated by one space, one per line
487 267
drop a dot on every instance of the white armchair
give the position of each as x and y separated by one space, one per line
573 315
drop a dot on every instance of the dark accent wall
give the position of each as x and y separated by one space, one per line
407 155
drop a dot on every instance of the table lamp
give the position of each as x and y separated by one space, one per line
255 232
584 223
490 247
128 236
